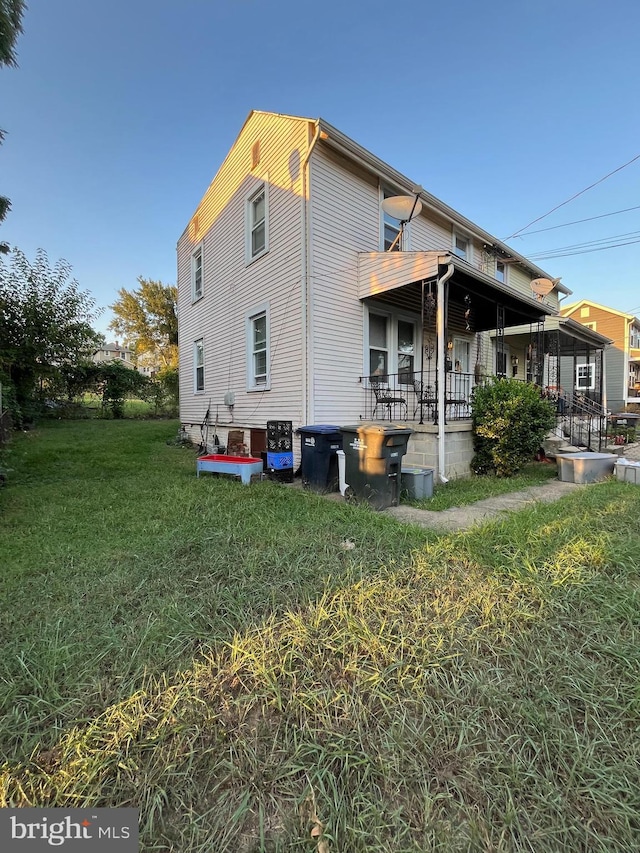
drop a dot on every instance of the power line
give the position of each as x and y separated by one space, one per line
591 186
578 221
584 245
587 251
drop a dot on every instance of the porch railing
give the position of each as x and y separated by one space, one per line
580 420
414 397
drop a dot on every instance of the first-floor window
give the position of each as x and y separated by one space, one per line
461 355
258 349
585 377
198 365
405 352
378 347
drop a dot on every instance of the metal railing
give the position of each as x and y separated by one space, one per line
414 397
580 420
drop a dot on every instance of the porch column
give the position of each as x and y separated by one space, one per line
441 374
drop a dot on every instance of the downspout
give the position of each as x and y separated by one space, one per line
305 283
441 372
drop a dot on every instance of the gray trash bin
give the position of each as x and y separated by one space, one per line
417 482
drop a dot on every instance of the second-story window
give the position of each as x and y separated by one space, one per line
257 223
196 275
501 271
461 246
390 227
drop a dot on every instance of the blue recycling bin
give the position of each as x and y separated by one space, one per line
319 445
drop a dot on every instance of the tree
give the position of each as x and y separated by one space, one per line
45 323
10 27
117 382
147 319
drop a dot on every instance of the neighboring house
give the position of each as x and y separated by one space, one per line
148 364
300 298
114 352
622 362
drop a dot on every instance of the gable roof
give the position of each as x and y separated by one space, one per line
336 139
567 309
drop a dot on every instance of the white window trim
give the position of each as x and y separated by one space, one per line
392 319
592 377
198 250
457 232
197 390
249 317
262 188
506 271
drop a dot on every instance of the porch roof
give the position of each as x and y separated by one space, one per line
385 274
566 326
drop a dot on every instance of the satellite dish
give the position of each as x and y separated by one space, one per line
543 286
402 207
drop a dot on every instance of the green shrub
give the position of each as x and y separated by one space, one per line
510 421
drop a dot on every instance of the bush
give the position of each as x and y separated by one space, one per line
510 421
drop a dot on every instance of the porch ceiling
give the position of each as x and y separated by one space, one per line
395 277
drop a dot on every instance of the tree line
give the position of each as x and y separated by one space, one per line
47 341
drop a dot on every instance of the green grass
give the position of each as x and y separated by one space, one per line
477 488
246 664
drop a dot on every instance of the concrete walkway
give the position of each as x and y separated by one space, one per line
464 517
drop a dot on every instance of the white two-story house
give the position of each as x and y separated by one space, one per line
303 295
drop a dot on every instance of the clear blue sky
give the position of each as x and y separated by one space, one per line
121 113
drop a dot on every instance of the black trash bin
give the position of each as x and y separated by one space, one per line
373 462
319 445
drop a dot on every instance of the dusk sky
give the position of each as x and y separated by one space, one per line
120 114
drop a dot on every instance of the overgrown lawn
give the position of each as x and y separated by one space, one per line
249 665
478 488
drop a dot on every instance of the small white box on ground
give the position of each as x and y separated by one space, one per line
628 472
417 482
585 467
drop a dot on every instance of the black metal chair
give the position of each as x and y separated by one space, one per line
386 397
425 396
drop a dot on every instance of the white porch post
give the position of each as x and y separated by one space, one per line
441 372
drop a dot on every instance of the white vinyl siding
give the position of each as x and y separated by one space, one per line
345 220
220 225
